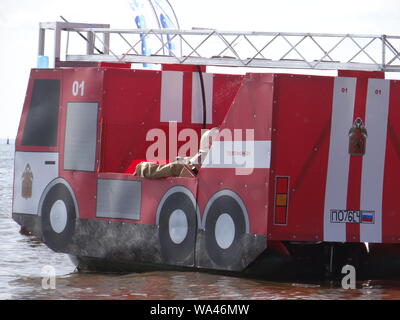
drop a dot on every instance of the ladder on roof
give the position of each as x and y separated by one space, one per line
319 51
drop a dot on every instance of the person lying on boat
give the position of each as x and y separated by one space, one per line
183 166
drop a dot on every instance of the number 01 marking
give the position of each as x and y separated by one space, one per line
78 88
378 92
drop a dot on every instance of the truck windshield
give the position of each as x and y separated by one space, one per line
42 120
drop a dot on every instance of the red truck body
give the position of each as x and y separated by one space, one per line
312 160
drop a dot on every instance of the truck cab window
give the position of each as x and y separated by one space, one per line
42 120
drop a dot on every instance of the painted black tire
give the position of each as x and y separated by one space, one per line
177 248
225 248
58 238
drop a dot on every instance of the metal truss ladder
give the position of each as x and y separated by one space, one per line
318 51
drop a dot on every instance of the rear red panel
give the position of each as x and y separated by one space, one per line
300 145
337 141
391 206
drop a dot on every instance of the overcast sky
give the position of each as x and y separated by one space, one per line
19 28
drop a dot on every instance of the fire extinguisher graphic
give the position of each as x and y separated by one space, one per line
357 138
27 180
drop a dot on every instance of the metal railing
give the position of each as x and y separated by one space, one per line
209 47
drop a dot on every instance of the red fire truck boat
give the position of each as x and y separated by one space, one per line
306 183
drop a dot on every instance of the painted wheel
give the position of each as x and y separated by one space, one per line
225 224
177 222
58 217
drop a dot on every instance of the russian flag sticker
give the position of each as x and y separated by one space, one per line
367 216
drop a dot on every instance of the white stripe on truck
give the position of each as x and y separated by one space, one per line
339 159
376 121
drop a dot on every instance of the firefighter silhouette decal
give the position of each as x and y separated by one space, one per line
357 138
27 180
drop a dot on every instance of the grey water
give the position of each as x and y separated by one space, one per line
23 258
